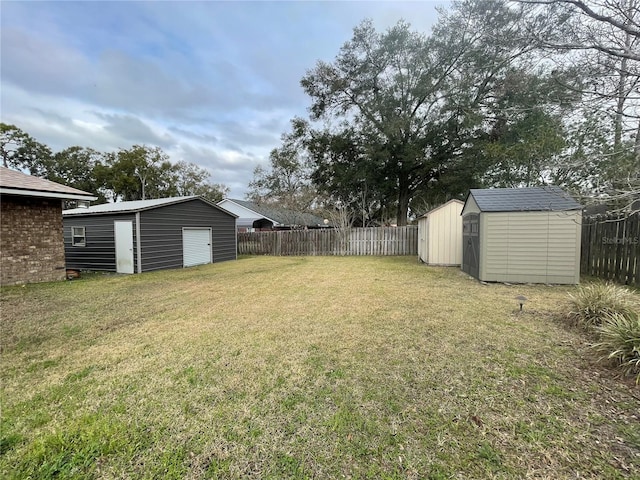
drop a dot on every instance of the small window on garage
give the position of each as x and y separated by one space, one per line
78 238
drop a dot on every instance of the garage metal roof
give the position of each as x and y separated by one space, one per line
534 199
136 206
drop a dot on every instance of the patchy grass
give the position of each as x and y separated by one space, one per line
321 367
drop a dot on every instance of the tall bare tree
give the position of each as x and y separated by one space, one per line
599 41
286 181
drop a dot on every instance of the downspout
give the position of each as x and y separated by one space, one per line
138 247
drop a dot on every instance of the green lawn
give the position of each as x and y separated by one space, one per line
322 367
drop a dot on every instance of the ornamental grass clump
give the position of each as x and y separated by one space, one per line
619 340
594 302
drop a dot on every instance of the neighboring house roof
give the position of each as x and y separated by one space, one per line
549 198
13 182
280 216
136 206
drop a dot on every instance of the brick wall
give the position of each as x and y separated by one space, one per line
31 243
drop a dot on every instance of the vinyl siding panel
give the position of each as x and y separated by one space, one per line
440 234
536 247
564 258
225 239
470 206
494 244
161 237
99 252
444 240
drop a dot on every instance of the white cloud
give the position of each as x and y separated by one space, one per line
214 83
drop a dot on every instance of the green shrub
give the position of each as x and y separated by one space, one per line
593 302
619 340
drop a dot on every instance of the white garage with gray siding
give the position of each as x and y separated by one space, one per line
440 235
145 235
522 235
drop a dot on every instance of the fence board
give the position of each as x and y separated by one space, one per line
611 248
354 241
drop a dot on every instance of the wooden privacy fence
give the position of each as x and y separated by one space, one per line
331 241
611 248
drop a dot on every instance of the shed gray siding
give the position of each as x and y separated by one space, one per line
225 238
161 233
99 252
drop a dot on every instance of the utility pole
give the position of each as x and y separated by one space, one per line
143 180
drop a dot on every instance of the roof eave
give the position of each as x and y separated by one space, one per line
131 210
43 194
573 209
453 200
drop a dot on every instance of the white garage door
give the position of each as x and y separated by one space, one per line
196 246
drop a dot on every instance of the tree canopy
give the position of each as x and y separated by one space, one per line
501 93
419 109
139 172
21 150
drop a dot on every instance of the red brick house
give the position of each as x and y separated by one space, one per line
31 242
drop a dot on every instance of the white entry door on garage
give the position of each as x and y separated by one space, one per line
123 232
196 246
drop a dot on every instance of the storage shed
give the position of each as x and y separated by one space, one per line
440 235
145 235
522 235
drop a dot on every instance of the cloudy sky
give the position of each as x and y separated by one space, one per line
214 83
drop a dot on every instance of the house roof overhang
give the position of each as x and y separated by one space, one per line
40 193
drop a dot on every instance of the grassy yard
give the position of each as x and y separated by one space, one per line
322 367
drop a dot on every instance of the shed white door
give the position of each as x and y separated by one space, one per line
196 246
423 227
123 230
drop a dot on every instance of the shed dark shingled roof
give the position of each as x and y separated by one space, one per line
530 199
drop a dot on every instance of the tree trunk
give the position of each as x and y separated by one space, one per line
636 146
403 202
621 100
622 85
635 180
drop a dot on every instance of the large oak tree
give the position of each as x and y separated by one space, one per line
415 104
